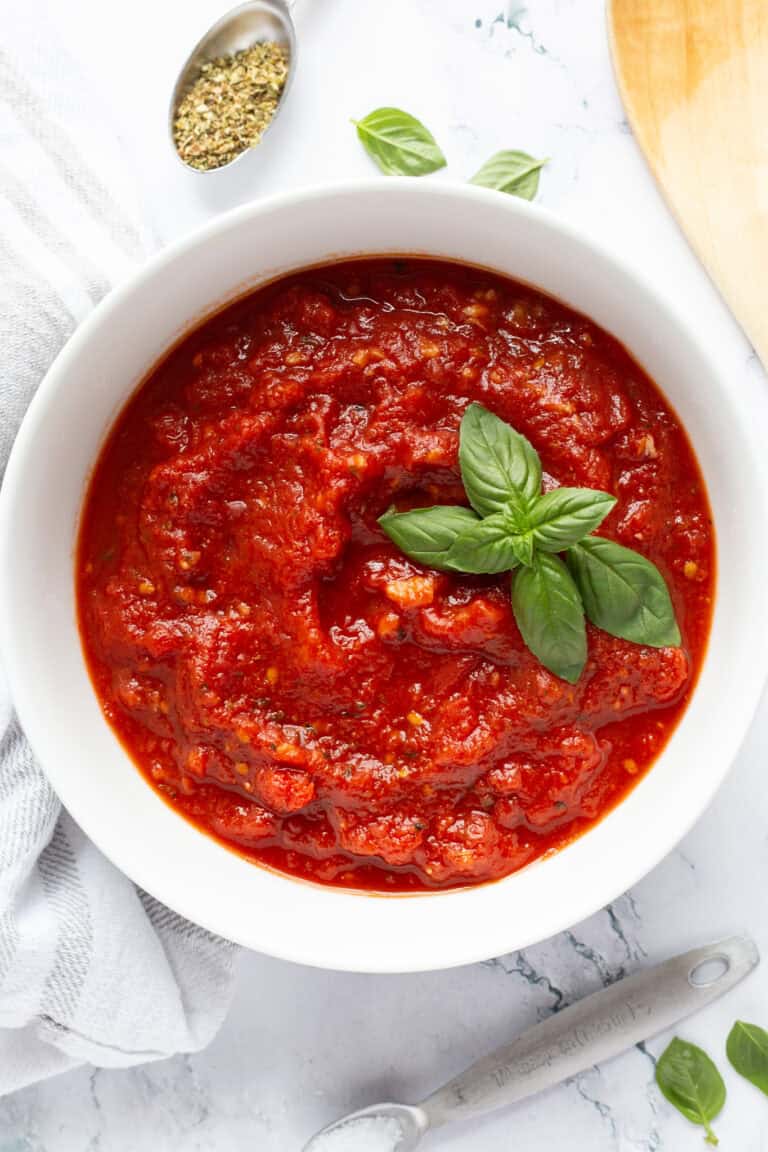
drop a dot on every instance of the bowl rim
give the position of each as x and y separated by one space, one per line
586 900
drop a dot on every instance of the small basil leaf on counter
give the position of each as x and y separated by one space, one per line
399 143
747 1049
549 614
427 534
514 172
623 592
483 547
497 463
692 1083
564 516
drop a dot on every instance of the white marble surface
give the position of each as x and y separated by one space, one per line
302 1046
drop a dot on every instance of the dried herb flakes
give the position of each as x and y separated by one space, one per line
230 104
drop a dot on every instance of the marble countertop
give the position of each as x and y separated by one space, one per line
302 1046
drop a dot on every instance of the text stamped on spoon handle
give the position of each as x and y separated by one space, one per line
594 1029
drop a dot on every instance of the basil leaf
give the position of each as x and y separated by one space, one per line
550 616
399 143
516 513
497 463
485 546
514 172
690 1081
747 1048
564 516
426 534
522 544
623 592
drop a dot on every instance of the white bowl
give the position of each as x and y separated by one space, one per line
58 443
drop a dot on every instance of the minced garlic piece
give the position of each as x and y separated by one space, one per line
411 591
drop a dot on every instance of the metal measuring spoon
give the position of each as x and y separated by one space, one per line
240 28
589 1032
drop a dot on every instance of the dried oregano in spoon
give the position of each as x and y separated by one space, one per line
230 105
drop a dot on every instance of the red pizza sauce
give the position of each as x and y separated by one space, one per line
296 686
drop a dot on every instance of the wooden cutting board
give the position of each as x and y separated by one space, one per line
693 75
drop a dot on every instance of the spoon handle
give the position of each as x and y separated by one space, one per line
594 1029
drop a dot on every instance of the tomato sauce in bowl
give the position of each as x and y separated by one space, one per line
290 681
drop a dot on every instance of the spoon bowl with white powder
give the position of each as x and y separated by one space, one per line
383 1128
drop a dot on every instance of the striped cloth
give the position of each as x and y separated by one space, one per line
90 968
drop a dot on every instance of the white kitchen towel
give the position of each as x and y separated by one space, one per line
91 969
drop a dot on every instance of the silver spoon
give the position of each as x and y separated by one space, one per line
587 1033
240 28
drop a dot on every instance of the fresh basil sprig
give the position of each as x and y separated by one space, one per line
512 526
747 1049
399 143
516 173
690 1081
